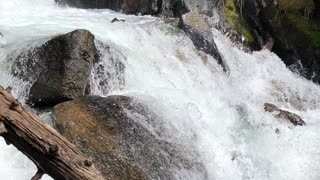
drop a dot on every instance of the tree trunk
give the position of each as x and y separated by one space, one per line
51 153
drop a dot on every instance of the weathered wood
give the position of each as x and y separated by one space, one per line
51 153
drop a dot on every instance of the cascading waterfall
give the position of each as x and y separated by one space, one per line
219 115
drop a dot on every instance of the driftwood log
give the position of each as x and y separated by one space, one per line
51 153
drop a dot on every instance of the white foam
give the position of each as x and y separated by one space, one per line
220 115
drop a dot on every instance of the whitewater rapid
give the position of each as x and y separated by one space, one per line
218 114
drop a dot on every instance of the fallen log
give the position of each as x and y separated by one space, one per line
51 152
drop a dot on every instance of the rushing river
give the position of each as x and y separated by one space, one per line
219 114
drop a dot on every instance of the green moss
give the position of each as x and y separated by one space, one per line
296 5
310 28
237 22
246 33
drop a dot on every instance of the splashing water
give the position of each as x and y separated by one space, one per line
220 115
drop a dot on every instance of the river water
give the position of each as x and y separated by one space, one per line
219 114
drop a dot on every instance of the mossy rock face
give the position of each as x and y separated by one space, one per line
236 21
309 28
298 42
294 25
113 131
304 23
296 5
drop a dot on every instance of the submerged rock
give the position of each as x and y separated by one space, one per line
117 20
198 29
286 115
112 131
60 68
108 72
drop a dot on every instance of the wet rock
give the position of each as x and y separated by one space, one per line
141 6
286 115
201 6
268 45
228 20
293 27
197 28
117 20
59 68
173 8
108 73
101 4
124 139
196 22
166 8
270 107
2 41
126 6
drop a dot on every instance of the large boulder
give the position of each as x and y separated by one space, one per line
59 68
197 28
125 139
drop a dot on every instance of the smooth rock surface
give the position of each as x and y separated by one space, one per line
197 28
60 68
111 131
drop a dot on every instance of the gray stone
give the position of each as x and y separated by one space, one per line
60 68
197 28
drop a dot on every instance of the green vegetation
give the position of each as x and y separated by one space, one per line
315 33
237 22
296 5
297 13
310 28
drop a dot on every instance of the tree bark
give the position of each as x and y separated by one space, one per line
51 153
